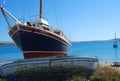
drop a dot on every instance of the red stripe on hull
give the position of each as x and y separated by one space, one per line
30 55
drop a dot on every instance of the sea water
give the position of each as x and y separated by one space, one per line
10 53
103 50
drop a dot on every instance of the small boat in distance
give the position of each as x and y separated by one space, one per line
115 42
36 38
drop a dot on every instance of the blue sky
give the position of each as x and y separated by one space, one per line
80 20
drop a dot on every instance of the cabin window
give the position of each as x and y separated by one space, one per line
57 32
29 24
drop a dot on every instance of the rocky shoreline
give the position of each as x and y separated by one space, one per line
7 44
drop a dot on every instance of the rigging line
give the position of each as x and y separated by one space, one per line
55 14
61 12
25 10
4 1
29 10
5 13
5 16
33 7
61 7
22 12
34 10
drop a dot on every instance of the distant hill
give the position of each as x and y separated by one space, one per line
118 39
7 44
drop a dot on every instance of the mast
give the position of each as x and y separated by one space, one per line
115 42
40 9
115 36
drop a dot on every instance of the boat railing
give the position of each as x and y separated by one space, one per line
33 17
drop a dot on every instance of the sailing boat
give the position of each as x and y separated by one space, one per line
37 39
115 42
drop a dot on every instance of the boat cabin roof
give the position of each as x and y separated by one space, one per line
40 21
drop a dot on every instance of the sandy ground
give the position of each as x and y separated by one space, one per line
111 65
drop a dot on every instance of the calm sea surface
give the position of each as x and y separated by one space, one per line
104 51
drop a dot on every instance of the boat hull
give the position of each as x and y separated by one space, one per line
48 69
36 44
115 45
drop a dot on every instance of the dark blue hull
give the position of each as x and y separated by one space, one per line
35 45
